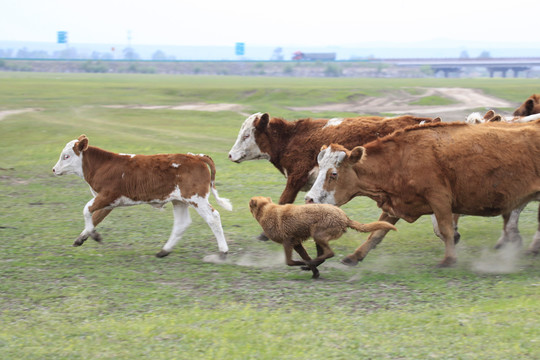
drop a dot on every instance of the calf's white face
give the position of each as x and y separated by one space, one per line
245 147
69 162
321 193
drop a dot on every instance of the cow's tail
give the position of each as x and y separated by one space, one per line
377 225
224 203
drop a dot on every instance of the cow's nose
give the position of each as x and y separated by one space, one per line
309 200
230 156
53 170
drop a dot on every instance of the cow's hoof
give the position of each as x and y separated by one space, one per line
262 237
349 261
222 256
80 240
96 236
162 253
457 236
447 262
533 252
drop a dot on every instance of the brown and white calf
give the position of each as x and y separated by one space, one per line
436 169
292 146
124 180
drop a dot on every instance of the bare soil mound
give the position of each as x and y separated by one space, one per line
401 102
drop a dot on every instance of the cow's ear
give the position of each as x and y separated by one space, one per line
437 120
529 105
82 145
489 115
357 153
321 153
263 122
496 118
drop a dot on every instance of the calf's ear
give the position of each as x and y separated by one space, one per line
357 153
82 145
263 122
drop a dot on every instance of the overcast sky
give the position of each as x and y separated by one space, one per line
270 23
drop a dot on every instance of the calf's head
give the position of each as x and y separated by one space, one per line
70 161
247 145
337 179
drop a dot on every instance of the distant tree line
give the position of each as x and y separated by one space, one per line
71 53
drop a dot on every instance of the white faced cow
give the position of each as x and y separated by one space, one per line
124 180
292 146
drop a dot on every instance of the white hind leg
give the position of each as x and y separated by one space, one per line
182 220
213 219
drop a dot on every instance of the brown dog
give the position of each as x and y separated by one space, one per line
290 225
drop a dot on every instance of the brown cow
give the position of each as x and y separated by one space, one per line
124 180
435 169
529 107
292 146
510 232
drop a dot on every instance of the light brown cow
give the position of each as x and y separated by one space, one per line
124 180
529 107
435 169
292 146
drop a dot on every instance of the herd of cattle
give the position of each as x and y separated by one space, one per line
411 166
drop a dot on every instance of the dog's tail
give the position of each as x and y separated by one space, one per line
377 225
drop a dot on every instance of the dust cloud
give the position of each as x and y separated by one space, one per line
501 261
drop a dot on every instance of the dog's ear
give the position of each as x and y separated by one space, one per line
252 203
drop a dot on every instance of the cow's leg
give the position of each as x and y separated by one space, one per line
446 229
437 232
534 248
182 220
213 219
373 240
510 232
94 206
99 215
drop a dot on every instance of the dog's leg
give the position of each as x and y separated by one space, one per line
307 259
324 253
304 255
288 255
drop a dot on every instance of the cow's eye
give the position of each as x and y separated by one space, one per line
66 156
333 175
245 137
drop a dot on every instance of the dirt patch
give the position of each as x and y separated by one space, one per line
186 107
399 102
6 113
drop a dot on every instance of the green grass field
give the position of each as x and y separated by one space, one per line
117 301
